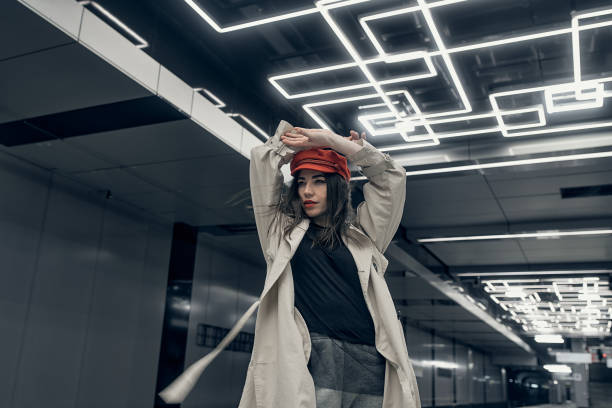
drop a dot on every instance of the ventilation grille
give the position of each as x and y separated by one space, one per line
586 191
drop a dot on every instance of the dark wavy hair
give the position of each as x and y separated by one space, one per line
338 217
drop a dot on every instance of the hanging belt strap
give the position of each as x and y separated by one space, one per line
177 391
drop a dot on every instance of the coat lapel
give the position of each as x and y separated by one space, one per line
284 254
361 249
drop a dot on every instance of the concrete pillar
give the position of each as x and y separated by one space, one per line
580 388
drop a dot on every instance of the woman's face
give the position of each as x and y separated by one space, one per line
312 189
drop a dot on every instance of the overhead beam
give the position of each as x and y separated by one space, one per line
413 265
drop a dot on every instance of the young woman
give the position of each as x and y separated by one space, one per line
327 333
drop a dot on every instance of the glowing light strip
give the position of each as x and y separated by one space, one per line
408 123
503 127
308 107
107 14
215 99
395 58
518 235
351 87
249 24
332 5
431 135
250 123
355 55
568 128
576 37
442 51
385 57
374 105
504 164
536 273
578 92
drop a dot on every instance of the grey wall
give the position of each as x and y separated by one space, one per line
473 379
82 294
223 289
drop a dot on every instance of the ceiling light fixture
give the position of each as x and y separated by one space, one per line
585 100
141 42
549 338
507 163
518 235
576 95
213 98
250 123
536 273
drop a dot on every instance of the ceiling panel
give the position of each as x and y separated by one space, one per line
569 249
43 83
551 206
163 142
202 172
59 155
498 252
521 187
120 182
23 32
460 326
435 312
412 288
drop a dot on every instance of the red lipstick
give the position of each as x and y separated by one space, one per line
309 203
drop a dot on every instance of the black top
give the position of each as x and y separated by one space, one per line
328 293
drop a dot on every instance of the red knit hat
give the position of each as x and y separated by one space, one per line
323 160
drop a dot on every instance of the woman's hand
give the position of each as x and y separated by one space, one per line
308 138
354 137
311 138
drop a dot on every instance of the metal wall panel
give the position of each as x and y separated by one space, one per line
461 375
22 210
419 350
494 382
444 373
476 373
84 302
223 289
56 325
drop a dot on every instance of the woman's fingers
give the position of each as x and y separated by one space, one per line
293 139
292 134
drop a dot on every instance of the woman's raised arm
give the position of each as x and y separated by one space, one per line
266 181
380 214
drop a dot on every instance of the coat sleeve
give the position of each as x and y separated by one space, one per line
380 214
266 181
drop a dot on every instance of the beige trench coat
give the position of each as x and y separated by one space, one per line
277 375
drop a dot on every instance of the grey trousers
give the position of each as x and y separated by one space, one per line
346 375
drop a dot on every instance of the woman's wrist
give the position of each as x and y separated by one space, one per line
344 146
